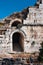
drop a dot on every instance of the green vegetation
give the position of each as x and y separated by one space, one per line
40 58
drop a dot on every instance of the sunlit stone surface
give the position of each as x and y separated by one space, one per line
26 38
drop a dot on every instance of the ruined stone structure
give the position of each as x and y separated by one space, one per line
22 31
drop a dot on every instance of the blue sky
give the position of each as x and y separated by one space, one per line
7 7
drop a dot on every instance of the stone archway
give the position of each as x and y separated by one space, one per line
18 42
15 22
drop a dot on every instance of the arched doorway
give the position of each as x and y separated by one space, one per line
18 42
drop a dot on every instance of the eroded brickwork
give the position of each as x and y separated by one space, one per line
28 38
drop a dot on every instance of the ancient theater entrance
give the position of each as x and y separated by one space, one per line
18 42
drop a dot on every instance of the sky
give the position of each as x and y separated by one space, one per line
8 7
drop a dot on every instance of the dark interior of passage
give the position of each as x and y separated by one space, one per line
18 42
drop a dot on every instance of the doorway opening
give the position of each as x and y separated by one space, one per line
18 42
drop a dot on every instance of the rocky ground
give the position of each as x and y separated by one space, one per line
17 61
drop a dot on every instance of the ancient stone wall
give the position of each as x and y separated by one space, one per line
30 37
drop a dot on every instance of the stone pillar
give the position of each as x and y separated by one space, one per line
42 1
